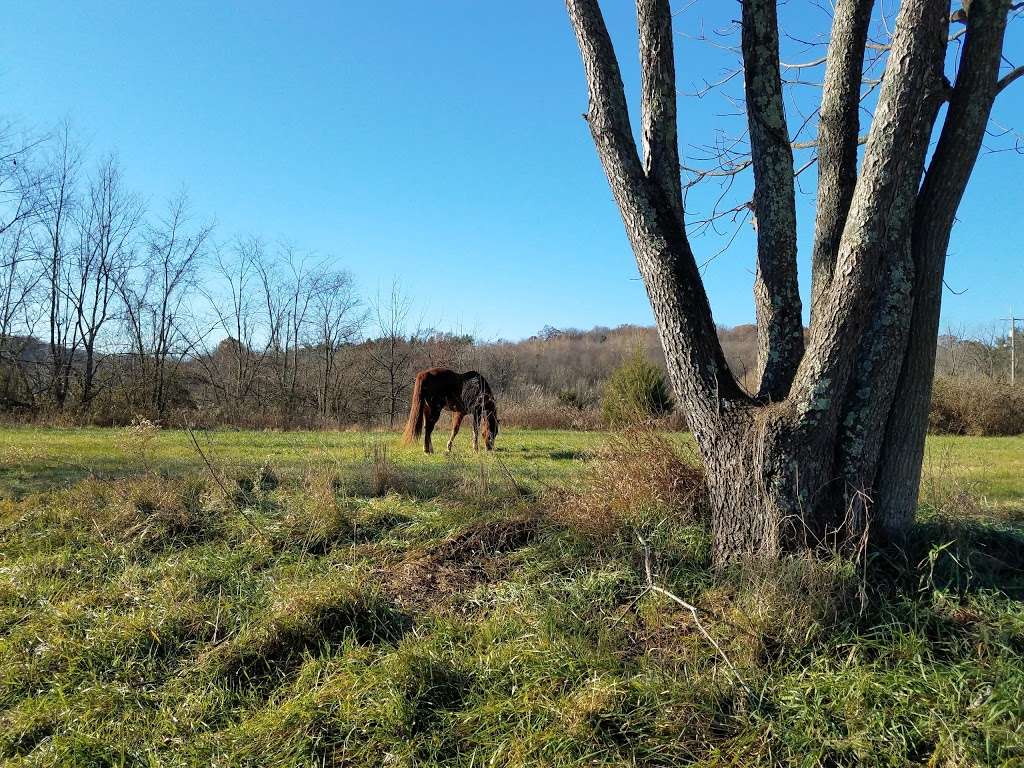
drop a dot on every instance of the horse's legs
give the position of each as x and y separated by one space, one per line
433 413
457 417
476 430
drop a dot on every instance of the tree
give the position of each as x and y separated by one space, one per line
236 363
158 304
830 444
391 353
107 223
288 301
57 212
336 322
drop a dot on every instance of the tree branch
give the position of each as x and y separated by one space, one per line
960 141
1009 78
700 373
658 104
895 153
838 138
776 293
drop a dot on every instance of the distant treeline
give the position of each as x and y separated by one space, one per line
112 311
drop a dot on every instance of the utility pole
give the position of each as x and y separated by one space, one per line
1013 345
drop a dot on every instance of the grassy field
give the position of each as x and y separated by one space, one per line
333 599
33 460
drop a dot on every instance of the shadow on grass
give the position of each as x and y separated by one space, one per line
957 555
567 455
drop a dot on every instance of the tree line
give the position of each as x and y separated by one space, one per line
111 310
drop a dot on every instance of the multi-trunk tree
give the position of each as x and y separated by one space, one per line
830 446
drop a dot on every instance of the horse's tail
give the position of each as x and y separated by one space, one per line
414 425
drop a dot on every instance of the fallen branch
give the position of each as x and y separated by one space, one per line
652 587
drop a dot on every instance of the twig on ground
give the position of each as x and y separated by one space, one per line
520 490
652 587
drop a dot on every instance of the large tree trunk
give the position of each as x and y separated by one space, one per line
798 465
977 84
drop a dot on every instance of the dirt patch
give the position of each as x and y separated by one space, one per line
472 556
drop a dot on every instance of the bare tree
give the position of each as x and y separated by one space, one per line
19 277
249 332
57 213
391 353
157 305
337 321
287 281
834 434
20 179
107 223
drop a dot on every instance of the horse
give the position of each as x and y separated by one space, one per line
461 393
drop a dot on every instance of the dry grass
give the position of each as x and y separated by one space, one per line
536 409
976 407
149 511
637 477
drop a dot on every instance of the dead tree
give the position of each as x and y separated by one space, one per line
832 440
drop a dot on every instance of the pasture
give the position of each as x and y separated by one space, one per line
295 599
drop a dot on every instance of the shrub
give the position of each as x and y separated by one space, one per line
635 392
975 407
534 408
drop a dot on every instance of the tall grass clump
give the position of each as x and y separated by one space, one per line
635 392
637 478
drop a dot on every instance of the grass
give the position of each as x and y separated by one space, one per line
377 607
34 459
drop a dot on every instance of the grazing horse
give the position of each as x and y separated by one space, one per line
461 393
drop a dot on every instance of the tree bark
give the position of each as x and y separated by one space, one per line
780 328
977 84
838 131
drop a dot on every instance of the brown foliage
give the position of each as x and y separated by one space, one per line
636 476
976 407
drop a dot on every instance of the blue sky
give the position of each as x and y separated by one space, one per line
441 143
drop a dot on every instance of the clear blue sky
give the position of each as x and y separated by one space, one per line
437 142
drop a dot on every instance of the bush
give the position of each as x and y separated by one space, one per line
533 408
635 392
975 407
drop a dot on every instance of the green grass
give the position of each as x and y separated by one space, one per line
38 459
343 607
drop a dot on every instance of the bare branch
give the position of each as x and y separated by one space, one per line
1009 78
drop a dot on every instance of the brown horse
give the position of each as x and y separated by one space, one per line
461 393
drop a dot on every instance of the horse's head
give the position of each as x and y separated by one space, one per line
490 419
